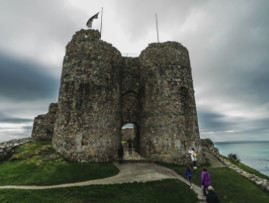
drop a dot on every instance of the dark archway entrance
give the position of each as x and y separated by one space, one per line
130 139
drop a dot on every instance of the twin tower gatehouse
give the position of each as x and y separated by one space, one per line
101 91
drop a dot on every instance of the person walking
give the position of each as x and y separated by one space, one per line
120 153
212 197
193 157
130 146
188 174
205 180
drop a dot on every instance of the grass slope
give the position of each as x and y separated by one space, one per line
247 168
229 186
37 163
157 191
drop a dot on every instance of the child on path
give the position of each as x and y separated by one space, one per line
188 174
205 180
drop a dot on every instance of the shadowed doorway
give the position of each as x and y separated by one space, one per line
130 140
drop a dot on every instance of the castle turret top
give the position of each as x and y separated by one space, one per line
87 35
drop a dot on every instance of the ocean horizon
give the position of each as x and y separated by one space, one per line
254 154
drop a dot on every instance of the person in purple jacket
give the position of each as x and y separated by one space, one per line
205 180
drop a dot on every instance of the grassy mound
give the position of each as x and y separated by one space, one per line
37 163
247 168
229 185
157 191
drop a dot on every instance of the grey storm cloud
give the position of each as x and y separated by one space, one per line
230 61
35 15
228 42
222 127
228 49
210 121
25 80
7 119
138 17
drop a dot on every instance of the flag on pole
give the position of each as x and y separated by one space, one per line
89 23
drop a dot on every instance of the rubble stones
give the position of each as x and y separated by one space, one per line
7 148
44 124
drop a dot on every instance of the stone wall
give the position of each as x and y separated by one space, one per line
7 148
168 120
44 124
88 122
101 91
130 86
208 145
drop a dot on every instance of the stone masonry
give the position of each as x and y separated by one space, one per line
168 119
8 148
101 91
44 124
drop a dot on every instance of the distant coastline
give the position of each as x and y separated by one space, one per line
241 142
254 154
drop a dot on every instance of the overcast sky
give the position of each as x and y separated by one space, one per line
228 43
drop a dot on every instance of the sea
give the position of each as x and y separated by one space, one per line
253 154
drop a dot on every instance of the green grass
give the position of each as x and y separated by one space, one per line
157 191
247 169
229 185
37 163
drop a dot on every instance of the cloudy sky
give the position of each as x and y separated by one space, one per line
228 42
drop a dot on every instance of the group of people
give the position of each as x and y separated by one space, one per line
211 196
208 190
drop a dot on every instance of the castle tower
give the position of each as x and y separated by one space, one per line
168 120
87 125
101 91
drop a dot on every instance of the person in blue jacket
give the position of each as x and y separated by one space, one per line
188 174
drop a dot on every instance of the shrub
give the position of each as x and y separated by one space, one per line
234 158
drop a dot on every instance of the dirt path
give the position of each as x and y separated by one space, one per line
129 172
214 162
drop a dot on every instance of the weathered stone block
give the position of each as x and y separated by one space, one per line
44 124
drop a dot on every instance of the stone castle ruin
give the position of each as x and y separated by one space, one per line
101 91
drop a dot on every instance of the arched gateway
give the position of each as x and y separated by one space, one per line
101 91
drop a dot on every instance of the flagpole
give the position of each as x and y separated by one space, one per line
101 22
157 29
